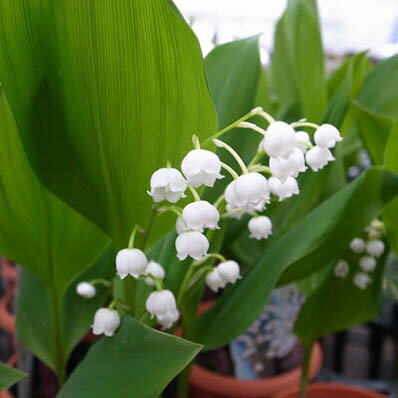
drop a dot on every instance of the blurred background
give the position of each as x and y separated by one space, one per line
347 25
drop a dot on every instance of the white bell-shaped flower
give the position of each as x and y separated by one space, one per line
318 157
260 227
362 280
367 263
341 269
181 226
162 305
249 191
214 280
280 140
156 270
326 136
131 262
106 321
284 189
86 290
375 247
358 245
229 271
199 215
167 184
201 167
291 166
193 244
303 141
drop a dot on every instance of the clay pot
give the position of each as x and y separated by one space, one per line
208 384
332 390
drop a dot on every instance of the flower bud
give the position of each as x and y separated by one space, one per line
249 191
162 305
181 226
131 262
167 184
155 270
358 245
201 167
341 269
260 227
199 215
193 244
214 281
367 263
228 271
285 189
86 290
303 141
326 136
375 247
361 280
280 140
106 321
291 166
317 157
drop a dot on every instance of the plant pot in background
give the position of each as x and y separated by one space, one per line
331 390
208 384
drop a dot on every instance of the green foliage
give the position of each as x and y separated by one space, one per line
137 361
297 64
310 244
102 93
9 376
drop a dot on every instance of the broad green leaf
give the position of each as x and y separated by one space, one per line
297 63
379 92
337 304
34 324
37 229
317 239
104 94
9 376
374 129
390 215
136 362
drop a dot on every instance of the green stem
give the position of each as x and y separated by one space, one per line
60 361
234 154
305 124
194 193
305 369
230 170
229 127
183 382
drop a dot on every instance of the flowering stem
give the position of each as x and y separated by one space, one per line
194 193
307 144
305 124
157 281
112 304
230 170
229 127
195 141
233 211
132 237
219 200
222 144
174 209
103 282
257 157
252 126
260 112
217 256
260 168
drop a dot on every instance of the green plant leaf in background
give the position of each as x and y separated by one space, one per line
137 362
41 232
322 234
104 94
297 63
9 376
34 325
390 215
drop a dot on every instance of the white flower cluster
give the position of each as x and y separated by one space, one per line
288 153
368 250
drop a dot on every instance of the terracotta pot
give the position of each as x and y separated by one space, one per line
208 384
332 390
